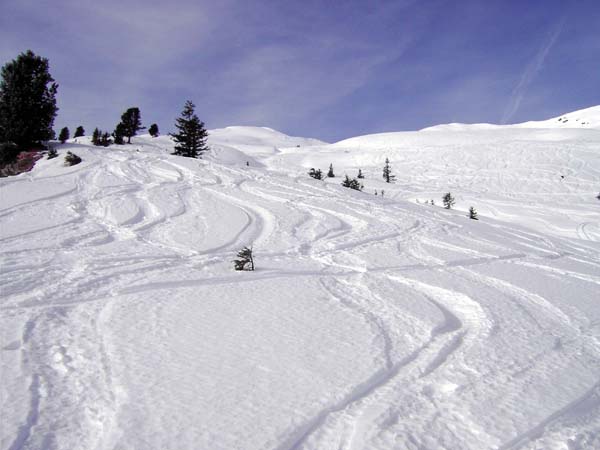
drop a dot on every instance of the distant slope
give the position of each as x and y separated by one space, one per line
585 118
543 175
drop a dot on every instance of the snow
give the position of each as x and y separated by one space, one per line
370 322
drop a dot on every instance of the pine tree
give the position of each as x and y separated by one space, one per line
153 130
64 135
330 174
352 183
79 132
96 137
387 172
119 134
105 140
27 101
191 139
52 153
316 174
360 174
448 201
245 259
131 122
473 214
71 159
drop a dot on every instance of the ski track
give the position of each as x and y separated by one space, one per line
68 292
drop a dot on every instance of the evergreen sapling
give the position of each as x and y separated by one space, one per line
63 135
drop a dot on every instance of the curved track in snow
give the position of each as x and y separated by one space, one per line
369 323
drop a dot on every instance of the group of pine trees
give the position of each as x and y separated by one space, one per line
28 110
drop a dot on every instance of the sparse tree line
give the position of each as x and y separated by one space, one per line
28 110
448 199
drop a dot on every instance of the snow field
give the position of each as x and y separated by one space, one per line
370 322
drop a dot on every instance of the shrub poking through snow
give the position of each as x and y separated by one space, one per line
473 214
448 200
352 183
330 174
360 174
245 259
72 159
52 153
387 172
316 174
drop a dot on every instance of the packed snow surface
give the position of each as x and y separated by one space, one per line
371 322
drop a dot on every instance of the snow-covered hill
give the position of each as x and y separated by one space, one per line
370 322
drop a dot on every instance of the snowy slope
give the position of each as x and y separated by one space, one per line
545 178
370 323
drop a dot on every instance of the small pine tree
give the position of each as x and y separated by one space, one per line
153 130
360 174
330 174
473 214
63 135
448 200
52 153
71 159
119 134
96 137
79 132
191 139
105 140
131 121
387 172
245 259
352 183
316 174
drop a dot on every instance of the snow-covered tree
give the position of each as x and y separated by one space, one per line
330 173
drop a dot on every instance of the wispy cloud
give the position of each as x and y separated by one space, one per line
530 72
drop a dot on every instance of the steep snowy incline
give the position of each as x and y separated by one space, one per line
370 322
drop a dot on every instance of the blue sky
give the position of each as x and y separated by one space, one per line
325 69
